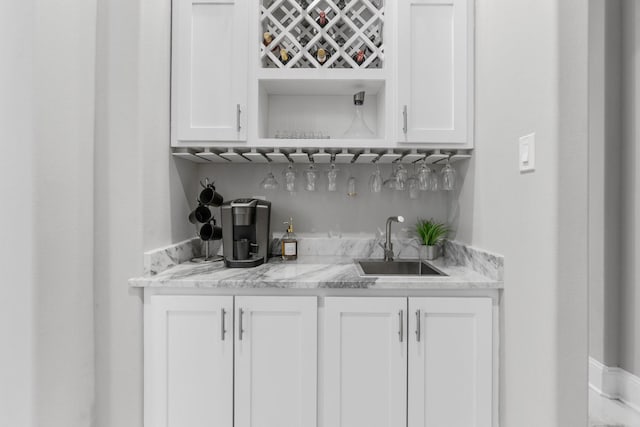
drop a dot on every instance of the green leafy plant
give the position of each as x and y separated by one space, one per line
431 233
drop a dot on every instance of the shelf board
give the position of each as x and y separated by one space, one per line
323 74
305 87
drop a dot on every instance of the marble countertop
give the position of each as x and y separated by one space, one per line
310 272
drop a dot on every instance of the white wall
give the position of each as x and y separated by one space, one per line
630 190
16 217
141 199
64 78
518 77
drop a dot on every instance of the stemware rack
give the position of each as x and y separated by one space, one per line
320 155
352 26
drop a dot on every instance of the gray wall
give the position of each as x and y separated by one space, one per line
324 211
630 194
614 184
605 144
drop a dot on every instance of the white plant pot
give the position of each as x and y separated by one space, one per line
429 252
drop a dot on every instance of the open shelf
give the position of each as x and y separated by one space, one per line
316 110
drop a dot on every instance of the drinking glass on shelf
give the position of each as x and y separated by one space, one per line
332 177
448 177
290 179
269 183
375 181
311 178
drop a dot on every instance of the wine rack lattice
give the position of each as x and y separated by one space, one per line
295 31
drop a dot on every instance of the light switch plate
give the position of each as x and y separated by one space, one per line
527 153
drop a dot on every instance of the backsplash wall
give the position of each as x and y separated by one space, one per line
324 211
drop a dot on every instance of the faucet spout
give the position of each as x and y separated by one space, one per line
388 246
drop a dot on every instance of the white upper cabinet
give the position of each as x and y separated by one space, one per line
435 72
209 71
275 361
450 362
365 362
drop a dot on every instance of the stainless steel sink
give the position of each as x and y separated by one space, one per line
399 267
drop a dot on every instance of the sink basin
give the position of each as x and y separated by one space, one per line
400 267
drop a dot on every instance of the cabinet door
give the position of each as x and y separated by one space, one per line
188 361
365 362
276 361
450 362
209 71
435 48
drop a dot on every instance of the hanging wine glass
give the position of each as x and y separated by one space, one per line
424 176
413 185
311 176
391 183
401 177
269 183
332 177
375 181
290 179
351 186
448 177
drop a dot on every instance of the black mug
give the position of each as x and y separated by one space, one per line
201 214
210 231
209 196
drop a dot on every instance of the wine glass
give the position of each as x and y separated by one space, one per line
401 177
290 179
351 186
448 177
311 176
413 185
269 183
375 181
332 177
391 183
424 176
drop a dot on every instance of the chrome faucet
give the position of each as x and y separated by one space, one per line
388 246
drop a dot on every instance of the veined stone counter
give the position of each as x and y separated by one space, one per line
466 268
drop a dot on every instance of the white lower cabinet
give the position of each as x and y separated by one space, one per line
189 361
188 379
276 361
252 361
365 362
381 373
450 362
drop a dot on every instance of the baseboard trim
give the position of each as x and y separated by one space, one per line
615 383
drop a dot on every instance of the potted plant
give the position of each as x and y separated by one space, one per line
431 236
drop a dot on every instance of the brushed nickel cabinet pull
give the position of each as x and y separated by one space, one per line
240 330
238 111
404 115
401 318
223 329
418 325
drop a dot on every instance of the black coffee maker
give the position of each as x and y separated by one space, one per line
245 232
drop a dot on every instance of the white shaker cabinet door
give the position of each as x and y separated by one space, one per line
188 361
365 362
276 361
209 71
450 362
435 75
